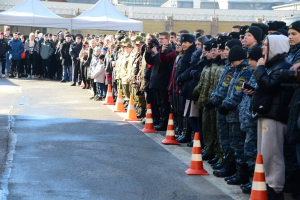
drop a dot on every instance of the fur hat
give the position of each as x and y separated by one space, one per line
187 37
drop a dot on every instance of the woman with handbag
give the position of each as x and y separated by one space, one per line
270 103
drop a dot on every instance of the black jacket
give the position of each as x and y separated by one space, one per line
65 55
108 64
75 50
160 75
184 62
270 92
3 47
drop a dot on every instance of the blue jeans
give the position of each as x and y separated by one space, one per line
66 70
298 152
100 89
8 61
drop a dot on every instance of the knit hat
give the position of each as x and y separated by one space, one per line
256 32
236 53
61 34
263 27
295 25
187 37
102 56
255 53
234 35
208 45
104 48
243 29
233 42
41 35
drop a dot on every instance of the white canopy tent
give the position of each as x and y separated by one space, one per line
33 13
104 16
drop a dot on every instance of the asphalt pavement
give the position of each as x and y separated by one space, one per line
57 144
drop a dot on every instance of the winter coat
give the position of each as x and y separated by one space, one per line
99 73
271 100
294 113
94 62
36 49
160 75
65 55
235 93
57 49
3 47
75 50
46 49
15 49
269 87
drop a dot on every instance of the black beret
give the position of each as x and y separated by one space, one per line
255 53
187 37
236 53
233 42
243 29
234 35
295 25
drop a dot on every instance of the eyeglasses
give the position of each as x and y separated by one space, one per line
178 45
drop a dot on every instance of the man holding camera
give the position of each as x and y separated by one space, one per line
159 79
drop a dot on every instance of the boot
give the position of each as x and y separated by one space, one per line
162 126
178 130
245 185
186 133
272 195
229 177
241 175
227 170
217 165
247 188
190 144
213 161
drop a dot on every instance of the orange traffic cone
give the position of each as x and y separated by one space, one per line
131 113
196 167
259 188
149 122
109 98
170 135
119 103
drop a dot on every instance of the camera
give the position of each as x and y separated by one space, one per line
153 43
291 77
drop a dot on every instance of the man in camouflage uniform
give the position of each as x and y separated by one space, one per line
139 98
219 94
203 88
237 56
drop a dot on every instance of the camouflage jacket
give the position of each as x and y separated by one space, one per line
220 93
204 84
245 109
135 69
235 94
294 54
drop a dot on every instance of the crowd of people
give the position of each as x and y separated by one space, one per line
229 87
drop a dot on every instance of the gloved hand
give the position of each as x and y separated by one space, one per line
222 110
209 105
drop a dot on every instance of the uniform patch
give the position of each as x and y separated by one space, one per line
245 68
264 128
298 61
238 88
241 81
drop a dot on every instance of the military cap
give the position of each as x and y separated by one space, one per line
243 29
234 35
222 39
127 44
142 34
121 32
222 45
78 35
208 45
